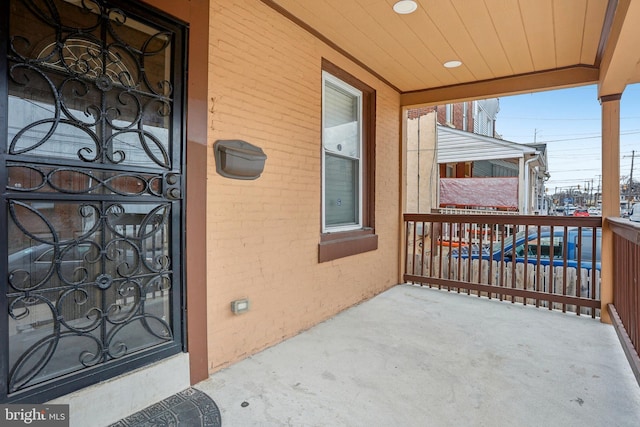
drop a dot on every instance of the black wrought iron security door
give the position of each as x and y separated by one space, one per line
91 131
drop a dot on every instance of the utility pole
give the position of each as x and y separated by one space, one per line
630 185
633 154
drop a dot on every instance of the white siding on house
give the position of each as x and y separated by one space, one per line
459 146
485 115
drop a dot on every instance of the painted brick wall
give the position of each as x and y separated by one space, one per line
421 164
458 115
265 88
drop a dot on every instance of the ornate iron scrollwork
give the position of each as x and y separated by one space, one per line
81 286
94 66
92 189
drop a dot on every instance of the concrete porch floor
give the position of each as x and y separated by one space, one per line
415 356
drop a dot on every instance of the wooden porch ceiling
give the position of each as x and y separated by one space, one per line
505 46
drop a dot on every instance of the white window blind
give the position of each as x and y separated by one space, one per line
342 143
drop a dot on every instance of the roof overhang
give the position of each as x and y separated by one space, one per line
505 47
456 145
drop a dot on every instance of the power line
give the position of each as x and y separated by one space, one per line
555 119
583 135
634 132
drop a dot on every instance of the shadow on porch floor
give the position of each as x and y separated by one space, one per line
421 357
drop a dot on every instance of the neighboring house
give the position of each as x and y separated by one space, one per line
540 201
477 116
422 169
520 167
485 112
441 145
109 114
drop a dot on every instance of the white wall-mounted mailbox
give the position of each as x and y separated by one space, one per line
238 159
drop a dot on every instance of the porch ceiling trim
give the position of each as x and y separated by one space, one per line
530 82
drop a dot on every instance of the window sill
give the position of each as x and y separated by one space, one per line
339 245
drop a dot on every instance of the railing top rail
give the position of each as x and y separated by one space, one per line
534 220
456 211
626 229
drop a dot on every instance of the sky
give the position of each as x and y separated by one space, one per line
569 122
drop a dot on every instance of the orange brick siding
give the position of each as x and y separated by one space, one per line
265 88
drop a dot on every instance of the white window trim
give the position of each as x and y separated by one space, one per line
464 116
327 77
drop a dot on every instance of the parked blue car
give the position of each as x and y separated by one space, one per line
532 242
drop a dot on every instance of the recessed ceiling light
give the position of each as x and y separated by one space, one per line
452 64
404 7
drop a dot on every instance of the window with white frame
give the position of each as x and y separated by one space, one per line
448 113
341 155
348 150
464 116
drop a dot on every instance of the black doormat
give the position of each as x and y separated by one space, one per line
189 408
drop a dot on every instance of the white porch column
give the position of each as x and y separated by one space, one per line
610 194
521 188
